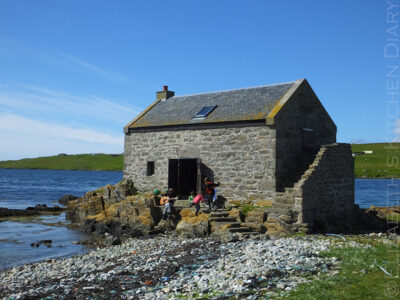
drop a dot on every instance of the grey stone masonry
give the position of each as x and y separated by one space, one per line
326 190
323 198
301 126
241 158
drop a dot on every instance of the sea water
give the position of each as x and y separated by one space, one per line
23 188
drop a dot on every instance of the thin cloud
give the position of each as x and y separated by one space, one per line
21 126
9 47
43 102
113 76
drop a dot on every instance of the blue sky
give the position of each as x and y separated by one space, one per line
73 73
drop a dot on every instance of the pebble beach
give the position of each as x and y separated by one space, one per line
171 267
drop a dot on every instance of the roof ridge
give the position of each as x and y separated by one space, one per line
231 90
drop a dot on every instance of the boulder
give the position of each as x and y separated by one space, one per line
112 209
276 227
165 225
256 216
96 203
193 226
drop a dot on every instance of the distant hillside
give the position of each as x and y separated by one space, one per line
384 162
106 162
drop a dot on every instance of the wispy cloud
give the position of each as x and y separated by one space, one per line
28 137
20 125
9 48
110 75
50 104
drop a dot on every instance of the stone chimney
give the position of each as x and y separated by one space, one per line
164 94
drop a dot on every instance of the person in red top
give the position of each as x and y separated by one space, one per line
209 190
196 202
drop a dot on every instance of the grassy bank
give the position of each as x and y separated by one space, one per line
384 162
106 162
360 277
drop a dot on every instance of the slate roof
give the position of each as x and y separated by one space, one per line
246 104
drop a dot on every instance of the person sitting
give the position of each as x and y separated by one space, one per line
168 194
168 208
168 201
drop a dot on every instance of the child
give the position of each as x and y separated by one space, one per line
209 191
192 195
196 201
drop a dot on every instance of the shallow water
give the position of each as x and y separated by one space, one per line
16 238
23 188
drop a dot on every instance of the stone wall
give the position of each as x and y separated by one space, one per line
322 200
294 152
325 192
241 158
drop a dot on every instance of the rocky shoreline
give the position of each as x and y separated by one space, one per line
170 266
40 209
215 255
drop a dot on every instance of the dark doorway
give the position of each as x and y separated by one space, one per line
183 175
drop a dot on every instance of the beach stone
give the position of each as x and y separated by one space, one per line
167 265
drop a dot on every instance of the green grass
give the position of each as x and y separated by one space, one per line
104 162
247 208
383 163
359 276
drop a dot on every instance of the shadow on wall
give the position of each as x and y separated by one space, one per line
287 178
205 172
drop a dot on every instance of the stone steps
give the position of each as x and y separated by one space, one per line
219 214
222 219
240 229
226 225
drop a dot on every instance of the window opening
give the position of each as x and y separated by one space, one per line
150 168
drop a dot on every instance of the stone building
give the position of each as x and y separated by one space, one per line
271 143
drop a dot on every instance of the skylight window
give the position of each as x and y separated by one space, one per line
205 111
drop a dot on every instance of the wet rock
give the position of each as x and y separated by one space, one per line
29 211
65 199
47 243
113 241
134 233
